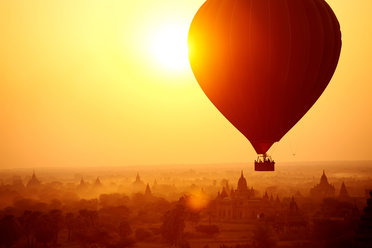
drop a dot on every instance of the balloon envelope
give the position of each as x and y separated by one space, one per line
264 63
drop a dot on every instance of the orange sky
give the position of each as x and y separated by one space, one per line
80 87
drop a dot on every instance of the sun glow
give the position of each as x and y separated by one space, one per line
197 200
168 46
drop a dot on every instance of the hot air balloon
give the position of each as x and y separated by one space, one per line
264 63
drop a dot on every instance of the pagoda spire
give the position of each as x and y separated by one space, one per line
242 183
98 182
343 192
138 178
324 179
148 190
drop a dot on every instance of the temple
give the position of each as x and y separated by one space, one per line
238 204
97 183
324 189
138 186
148 190
33 182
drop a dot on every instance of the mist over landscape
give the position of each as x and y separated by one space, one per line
185 124
209 205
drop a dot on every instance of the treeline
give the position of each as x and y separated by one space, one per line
104 228
174 223
110 221
103 222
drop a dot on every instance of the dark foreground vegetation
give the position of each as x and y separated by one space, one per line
42 225
70 216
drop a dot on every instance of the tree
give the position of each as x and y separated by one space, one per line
193 217
70 223
86 228
9 231
44 229
28 222
174 224
124 229
113 215
208 229
143 234
263 237
56 223
124 232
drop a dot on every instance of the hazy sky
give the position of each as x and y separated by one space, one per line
81 84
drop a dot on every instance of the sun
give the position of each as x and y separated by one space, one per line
168 46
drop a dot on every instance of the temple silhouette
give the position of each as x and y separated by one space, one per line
241 203
33 182
323 189
138 186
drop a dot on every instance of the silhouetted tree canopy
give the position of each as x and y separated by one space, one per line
263 236
142 234
208 229
174 224
124 229
9 230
